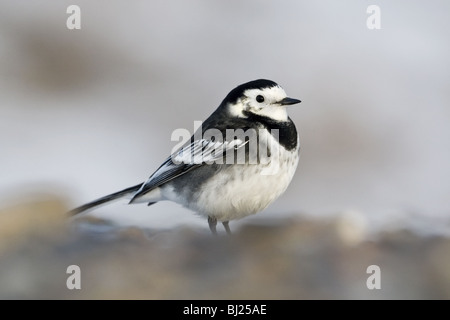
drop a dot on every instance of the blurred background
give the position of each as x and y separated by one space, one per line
87 112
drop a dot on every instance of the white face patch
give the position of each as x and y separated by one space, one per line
264 102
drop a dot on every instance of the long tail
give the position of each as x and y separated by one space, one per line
105 199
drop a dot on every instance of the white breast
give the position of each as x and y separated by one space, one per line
244 189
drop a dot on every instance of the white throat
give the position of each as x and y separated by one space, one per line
275 112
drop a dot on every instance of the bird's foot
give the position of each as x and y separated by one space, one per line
212 225
227 227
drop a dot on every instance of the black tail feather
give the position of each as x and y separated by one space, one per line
105 199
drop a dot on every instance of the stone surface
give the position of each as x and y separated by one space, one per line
289 259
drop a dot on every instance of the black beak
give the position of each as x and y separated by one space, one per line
288 101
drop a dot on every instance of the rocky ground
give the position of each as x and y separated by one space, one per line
289 259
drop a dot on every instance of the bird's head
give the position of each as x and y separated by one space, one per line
259 97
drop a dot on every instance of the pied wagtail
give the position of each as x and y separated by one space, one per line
217 186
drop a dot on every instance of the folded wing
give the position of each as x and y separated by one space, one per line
198 153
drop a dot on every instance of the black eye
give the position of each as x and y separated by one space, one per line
259 98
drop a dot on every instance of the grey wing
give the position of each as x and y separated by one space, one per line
198 153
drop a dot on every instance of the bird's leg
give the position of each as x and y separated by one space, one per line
212 224
227 227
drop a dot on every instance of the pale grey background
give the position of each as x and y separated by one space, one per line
88 112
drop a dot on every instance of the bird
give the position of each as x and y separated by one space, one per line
241 159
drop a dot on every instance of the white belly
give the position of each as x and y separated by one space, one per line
245 189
